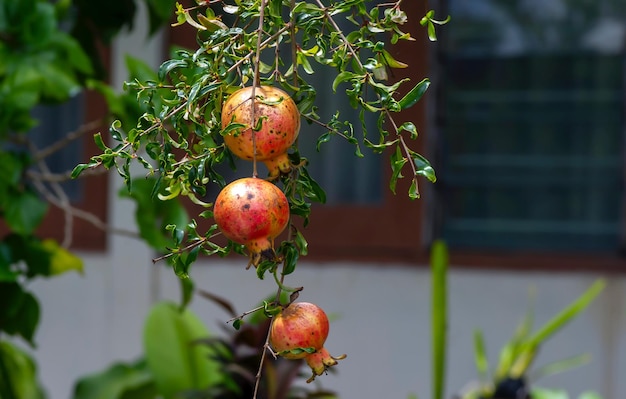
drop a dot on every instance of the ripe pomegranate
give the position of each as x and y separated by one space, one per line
299 332
280 125
252 212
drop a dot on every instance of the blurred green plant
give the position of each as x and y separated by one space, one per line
48 54
182 359
512 376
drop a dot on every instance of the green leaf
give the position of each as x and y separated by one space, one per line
61 260
392 62
187 288
511 350
24 212
439 312
589 395
541 393
409 127
561 366
301 243
432 35
414 95
480 356
423 168
97 138
413 192
342 77
567 314
174 359
19 374
118 381
529 348
397 163
297 351
291 255
19 314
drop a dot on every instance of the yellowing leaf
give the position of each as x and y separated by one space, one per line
61 260
392 62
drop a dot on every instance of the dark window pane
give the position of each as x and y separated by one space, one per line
532 119
54 123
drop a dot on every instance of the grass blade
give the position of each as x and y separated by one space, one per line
567 314
439 266
480 357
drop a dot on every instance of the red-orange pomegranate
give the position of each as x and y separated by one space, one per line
280 124
299 332
252 212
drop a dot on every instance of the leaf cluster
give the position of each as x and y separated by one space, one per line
178 138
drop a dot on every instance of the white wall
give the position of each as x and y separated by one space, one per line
383 311
382 321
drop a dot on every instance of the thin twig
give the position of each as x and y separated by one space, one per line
244 314
325 126
255 84
84 215
49 177
68 138
263 45
61 196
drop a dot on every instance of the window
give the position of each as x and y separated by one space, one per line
531 120
88 194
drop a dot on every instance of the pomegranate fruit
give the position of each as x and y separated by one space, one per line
252 212
299 332
280 124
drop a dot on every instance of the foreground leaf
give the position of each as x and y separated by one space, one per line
19 374
118 381
174 359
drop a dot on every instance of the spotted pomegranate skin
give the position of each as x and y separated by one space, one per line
280 125
299 332
252 212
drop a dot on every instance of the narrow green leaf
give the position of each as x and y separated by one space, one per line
439 312
480 356
413 191
568 314
397 163
414 95
301 243
392 62
589 395
561 366
542 393
342 77
291 254
432 35
97 138
187 290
